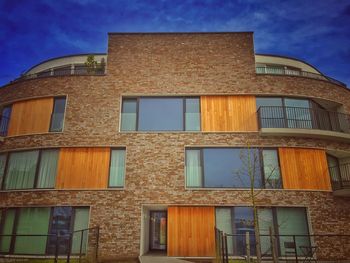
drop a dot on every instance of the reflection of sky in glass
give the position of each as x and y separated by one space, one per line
161 114
224 168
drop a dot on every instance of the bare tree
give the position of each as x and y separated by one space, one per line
250 176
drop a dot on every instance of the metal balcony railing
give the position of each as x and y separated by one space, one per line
82 244
292 72
302 118
4 123
340 176
77 69
281 248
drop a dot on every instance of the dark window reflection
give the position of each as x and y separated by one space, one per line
60 224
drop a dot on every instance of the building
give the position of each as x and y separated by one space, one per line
152 146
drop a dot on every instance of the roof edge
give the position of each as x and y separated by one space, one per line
65 56
178 33
300 60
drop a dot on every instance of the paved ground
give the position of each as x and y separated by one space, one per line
160 259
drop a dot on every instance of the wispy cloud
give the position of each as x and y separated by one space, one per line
34 30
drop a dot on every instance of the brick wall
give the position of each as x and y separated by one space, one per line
167 64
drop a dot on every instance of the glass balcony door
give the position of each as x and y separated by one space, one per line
158 230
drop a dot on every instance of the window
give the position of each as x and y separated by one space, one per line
42 221
334 171
284 221
5 120
160 114
29 169
117 168
57 116
228 168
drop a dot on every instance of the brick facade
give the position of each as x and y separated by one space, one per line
168 64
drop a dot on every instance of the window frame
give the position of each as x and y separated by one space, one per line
138 98
37 169
261 168
109 168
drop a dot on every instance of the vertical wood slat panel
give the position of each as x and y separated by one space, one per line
228 113
191 231
83 168
304 169
30 116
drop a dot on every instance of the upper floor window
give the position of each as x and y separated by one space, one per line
33 116
232 168
28 169
57 115
4 120
160 114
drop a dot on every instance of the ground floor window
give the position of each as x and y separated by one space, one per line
285 222
34 230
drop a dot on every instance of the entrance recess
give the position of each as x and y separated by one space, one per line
158 230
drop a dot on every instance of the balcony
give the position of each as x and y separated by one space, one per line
304 122
4 122
340 177
281 70
74 69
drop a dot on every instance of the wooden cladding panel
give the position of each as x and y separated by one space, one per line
228 113
191 231
83 168
304 169
30 116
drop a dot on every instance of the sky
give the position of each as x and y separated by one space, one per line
317 31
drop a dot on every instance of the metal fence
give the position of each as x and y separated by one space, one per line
77 69
293 72
302 118
77 246
282 248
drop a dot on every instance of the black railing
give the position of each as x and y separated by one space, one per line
4 123
279 248
292 72
340 176
77 244
302 118
65 71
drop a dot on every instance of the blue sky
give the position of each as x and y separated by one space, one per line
31 31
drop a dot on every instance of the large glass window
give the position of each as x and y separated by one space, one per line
298 113
32 221
160 114
29 169
275 112
31 226
287 222
292 221
117 168
57 116
232 167
21 170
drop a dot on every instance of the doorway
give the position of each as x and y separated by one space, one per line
158 231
